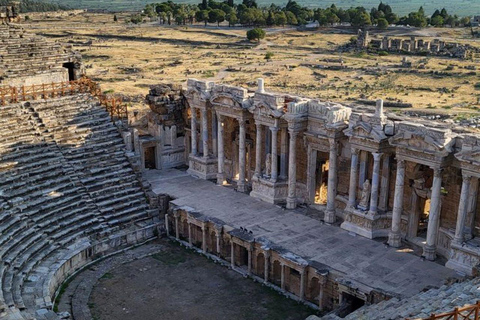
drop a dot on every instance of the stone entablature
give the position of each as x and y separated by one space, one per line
383 174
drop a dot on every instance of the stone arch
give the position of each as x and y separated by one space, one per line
260 265
184 230
211 242
277 273
313 290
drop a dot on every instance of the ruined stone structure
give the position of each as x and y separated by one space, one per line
68 192
385 176
414 46
47 61
10 13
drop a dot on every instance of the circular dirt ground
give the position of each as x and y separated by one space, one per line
178 284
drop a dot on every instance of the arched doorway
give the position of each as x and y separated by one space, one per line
260 265
277 273
313 290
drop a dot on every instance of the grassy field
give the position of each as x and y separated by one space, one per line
402 7
129 59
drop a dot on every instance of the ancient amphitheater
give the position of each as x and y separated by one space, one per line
327 203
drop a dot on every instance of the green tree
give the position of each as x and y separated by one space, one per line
232 19
417 19
280 18
216 15
437 21
256 34
382 23
202 15
291 19
270 18
361 19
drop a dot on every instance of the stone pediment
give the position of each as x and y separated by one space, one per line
422 139
265 110
364 130
228 96
267 104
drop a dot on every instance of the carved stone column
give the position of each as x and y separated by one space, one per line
204 119
330 215
394 237
189 233
375 184
274 173
241 161
217 236
429 251
167 227
193 131
232 254
214 133
265 267
282 278
384 184
311 166
292 171
362 175
283 153
323 283
220 151
462 209
204 238
258 150
302 284
352 191
177 231
249 260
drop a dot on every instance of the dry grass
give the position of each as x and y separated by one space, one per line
128 59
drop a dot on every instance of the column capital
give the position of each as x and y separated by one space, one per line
401 163
220 117
355 151
242 122
437 172
377 156
467 177
274 129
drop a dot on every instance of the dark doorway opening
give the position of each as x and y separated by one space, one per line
150 158
70 67
349 304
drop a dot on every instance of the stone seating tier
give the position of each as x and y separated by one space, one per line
64 178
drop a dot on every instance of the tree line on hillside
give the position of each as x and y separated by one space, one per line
248 14
35 6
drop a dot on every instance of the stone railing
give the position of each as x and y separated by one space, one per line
11 94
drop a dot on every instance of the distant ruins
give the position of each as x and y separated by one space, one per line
414 46
10 13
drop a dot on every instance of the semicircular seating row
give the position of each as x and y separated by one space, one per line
65 179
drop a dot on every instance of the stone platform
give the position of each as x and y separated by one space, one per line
365 261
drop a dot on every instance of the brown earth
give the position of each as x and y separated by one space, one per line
180 284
